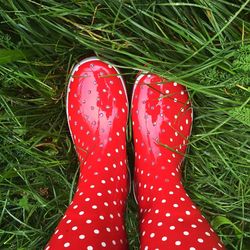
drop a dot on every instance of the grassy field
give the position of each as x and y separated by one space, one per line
204 45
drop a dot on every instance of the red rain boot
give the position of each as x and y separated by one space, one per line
162 120
97 111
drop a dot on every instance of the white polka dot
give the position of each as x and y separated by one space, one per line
167 214
81 236
152 235
172 228
186 233
188 212
67 244
113 242
94 207
193 226
180 219
101 217
81 213
164 238
74 228
159 224
60 237
47 248
68 221
108 229
175 205
177 243
192 248
207 233
103 244
90 248
88 221
75 207
96 231
200 240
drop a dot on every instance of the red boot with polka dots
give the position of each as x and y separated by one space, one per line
97 111
162 120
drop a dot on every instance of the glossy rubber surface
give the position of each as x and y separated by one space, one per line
162 121
97 111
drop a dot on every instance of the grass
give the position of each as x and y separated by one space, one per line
204 45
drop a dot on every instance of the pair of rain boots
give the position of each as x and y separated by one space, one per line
97 112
